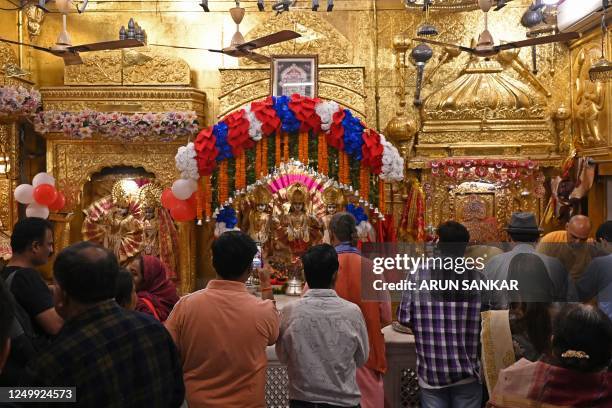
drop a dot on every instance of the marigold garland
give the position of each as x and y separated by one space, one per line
303 147
222 182
199 202
240 176
207 193
344 169
264 157
285 147
381 197
277 150
364 182
322 159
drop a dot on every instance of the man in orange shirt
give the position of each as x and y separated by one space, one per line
221 332
376 312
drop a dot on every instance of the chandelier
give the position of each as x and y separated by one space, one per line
601 70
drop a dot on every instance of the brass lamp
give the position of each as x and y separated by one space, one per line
601 70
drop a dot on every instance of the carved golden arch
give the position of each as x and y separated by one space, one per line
73 162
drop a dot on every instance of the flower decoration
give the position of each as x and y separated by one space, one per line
115 125
225 150
357 212
19 100
339 128
353 135
289 123
186 162
227 215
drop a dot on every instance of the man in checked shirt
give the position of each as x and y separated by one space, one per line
446 327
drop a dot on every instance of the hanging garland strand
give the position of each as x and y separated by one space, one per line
207 192
364 182
322 159
264 157
381 197
222 186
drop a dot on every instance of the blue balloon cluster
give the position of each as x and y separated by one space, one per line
357 212
289 123
353 135
225 150
228 216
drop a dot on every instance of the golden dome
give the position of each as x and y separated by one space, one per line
483 91
401 127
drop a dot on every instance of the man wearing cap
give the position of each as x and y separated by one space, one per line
524 233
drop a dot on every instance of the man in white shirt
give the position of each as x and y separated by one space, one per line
323 338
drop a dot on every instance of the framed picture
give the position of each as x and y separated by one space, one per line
294 74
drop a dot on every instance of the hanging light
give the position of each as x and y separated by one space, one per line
421 54
601 70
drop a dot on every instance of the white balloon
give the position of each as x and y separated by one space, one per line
181 189
37 211
194 185
24 193
43 178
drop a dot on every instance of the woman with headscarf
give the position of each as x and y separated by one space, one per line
156 293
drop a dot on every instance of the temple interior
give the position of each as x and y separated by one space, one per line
177 121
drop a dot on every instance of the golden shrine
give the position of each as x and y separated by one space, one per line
483 139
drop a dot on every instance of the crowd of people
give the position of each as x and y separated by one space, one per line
123 338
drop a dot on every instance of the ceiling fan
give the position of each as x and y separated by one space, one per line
238 46
485 46
63 47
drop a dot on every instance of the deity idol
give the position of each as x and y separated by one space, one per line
298 229
110 222
334 201
259 223
160 237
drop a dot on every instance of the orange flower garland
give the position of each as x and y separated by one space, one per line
381 197
364 182
264 157
240 175
207 195
285 147
199 201
277 152
343 168
222 182
322 161
303 147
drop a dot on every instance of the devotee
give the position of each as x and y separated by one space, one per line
523 231
570 246
222 331
125 294
32 246
114 357
156 293
323 338
376 310
7 316
446 328
530 307
576 375
597 279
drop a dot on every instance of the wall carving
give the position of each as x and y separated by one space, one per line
318 37
143 66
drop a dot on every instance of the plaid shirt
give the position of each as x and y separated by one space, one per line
115 358
447 335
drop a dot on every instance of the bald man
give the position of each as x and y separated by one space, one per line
571 246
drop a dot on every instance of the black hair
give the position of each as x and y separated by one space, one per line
7 313
233 254
343 226
87 272
453 238
604 232
524 236
27 231
320 264
534 297
124 288
582 328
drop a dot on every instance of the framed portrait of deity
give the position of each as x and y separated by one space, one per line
294 74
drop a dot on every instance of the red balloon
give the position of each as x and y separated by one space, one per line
59 202
192 200
45 194
183 211
168 199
